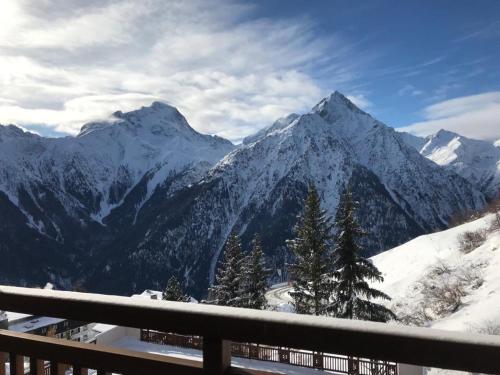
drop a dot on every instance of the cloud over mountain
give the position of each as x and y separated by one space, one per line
67 62
475 116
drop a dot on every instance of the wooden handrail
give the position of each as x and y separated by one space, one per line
82 355
418 346
94 356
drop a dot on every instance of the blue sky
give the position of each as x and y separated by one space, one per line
233 67
418 53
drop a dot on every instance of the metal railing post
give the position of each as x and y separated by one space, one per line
216 355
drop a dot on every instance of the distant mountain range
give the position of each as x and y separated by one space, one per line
475 160
141 196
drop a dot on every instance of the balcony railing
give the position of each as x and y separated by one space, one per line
320 361
219 325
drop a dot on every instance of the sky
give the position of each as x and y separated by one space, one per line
233 67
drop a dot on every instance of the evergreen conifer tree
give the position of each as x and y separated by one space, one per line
173 291
312 264
255 278
351 291
227 290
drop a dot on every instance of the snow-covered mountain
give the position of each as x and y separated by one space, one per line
90 174
260 186
56 192
277 125
140 196
475 160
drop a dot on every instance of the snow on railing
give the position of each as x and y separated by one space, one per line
219 325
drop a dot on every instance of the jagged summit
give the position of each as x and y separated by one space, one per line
158 118
157 109
444 134
11 130
335 109
280 123
476 160
334 103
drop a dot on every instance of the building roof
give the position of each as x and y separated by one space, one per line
33 323
150 294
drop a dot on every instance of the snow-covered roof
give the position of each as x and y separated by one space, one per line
101 328
13 316
150 294
34 323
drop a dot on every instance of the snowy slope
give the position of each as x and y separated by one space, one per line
434 262
475 160
277 125
406 266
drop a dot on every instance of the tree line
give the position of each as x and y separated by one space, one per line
328 274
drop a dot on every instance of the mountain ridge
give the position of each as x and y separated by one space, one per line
156 198
477 161
260 186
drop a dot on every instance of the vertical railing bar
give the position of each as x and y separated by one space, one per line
37 366
16 364
2 363
80 370
55 368
216 355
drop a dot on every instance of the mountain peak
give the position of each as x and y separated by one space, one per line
154 117
445 133
12 130
156 109
335 102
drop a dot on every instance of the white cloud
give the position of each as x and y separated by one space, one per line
63 63
97 25
475 116
75 112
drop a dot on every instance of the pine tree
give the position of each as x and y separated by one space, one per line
312 265
351 292
255 278
227 290
173 291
